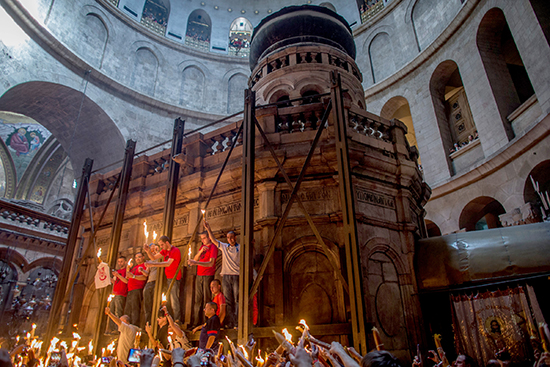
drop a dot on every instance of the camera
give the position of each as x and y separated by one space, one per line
134 355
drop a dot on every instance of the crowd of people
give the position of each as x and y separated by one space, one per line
457 146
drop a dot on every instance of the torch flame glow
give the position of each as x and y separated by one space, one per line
63 345
244 351
303 322
229 340
34 326
189 252
163 298
154 236
90 347
203 211
259 357
111 347
76 336
53 343
99 253
28 335
109 299
74 343
288 336
145 230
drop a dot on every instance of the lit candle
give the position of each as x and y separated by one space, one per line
170 342
145 231
138 340
377 340
203 214
99 255
189 252
109 299
243 359
90 348
260 360
154 236
28 337
33 330
164 299
288 336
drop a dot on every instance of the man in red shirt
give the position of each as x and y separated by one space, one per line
120 291
218 298
205 260
171 261
136 282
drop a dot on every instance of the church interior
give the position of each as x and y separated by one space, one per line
384 163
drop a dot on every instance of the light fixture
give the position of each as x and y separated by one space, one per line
243 11
216 7
229 10
256 11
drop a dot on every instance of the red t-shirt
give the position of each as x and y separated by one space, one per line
119 287
134 283
212 252
220 300
173 253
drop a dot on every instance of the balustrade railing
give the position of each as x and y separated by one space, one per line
29 217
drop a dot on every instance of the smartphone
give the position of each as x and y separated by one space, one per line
222 358
105 360
134 355
55 358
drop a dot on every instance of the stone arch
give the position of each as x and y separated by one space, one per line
277 89
52 263
155 15
192 87
13 257
240 34
380 57
540 175
432 229
56 107
145 71
308 269
309 84
452 109
430 18
199 29
363 58
398 108
10 175
510 84
236 85
387 277
481 213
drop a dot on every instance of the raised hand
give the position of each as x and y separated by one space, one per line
146 357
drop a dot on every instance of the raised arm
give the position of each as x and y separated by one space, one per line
113 317
173 325
210 234
147 250
117 275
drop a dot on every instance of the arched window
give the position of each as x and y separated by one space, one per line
433 229
538 176
199 27
155 15
240 33
456 124
311 96
481 213
509 81
398 108
369 8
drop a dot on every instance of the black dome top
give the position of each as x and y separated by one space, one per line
296 24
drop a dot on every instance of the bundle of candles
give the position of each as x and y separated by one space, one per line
246 355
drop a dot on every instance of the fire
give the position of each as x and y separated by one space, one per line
34 326
203 211
145 230
130 262
303 322
111 347
76 336
99 253
109 299
244 351
288 336
76 362
154 236
74 344
259 357
53 343
189 252
63 345
28 335
90 347
163 298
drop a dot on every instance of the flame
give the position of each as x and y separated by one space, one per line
145 230
130 262
80 349
259 357
288 336
53 343
303 322
34 326
189 252
76 336
17 339
63 344
163 298
74 343
102 352
90 347
244 351
154 236
203 211
109 299
111 347
169 339
77 361
99 253
28 335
